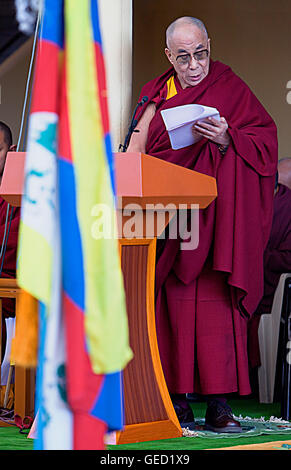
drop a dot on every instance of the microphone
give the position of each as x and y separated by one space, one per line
132 125
144 100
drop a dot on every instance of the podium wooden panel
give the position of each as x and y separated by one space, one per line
147 181
141 180
149 414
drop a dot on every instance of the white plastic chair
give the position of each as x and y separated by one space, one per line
269 328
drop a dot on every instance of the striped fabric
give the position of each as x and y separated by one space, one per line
70 175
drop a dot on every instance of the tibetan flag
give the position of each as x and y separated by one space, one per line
69 172
39 259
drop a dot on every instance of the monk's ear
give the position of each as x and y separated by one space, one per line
169 55
12 148
208 44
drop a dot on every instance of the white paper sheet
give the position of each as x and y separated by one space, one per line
179 122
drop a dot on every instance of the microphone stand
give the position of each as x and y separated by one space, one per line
132 126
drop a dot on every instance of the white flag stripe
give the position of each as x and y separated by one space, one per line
41 214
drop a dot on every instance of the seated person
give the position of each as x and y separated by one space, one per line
9 222
284 171
277 256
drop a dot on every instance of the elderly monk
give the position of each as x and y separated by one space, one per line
9 222
204 297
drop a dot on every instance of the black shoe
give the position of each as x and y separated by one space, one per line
219 418
184 415
193 397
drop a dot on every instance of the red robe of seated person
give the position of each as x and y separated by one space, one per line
277 260
205 296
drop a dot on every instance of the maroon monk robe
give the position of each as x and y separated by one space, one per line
205 296
277 260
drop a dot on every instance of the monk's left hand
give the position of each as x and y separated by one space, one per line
214 130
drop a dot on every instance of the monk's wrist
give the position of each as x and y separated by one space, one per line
223 144
222 148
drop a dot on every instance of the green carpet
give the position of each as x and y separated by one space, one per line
12 439
244 407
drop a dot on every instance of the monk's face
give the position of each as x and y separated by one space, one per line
185 41
3 152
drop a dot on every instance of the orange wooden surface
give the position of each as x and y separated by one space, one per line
11 188
140 178
147 223
149 413
144 179
148 432
152 335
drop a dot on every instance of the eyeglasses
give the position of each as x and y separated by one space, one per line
185 59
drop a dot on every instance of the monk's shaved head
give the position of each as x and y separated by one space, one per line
284 170
7 133
186 37
180 22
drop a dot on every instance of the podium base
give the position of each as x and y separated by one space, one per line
149 412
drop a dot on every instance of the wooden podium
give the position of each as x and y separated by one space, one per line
152 189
